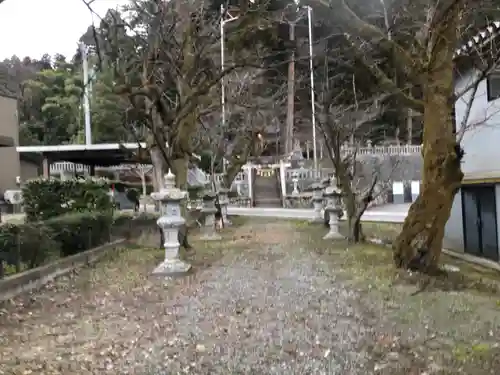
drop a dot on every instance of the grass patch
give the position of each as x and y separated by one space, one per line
453 319
383 231
470 276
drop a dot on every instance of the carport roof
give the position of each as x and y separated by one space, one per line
103 154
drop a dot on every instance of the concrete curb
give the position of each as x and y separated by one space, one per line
35 278
472 259
465 257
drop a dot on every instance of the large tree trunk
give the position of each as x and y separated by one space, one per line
180 166
420 243
354 228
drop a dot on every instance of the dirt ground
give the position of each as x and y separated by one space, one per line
270 298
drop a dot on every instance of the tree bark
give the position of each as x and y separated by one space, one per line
409 126
355 229
158 169
419 244
143 182
239 157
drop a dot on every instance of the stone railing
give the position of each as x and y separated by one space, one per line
384 150
240 177
240 202
305 177
302 200
307 173
68 167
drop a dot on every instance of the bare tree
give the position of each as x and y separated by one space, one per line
419 42
350 124
252 108
142 171
166 61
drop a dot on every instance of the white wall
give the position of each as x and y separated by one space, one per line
454 230
482 137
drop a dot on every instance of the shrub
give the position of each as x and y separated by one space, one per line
195 192
36 243
78 232
133 195
31 244
44 199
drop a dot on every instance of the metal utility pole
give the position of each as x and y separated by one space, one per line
86 95
313 103
222 63
290 116
222 58
409 126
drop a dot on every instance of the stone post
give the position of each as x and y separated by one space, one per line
317 200
249 170
238 187
398 192
283 178
415 190
224 202
334 212
170 223
209 211
295 180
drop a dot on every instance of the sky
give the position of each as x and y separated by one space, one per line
34 27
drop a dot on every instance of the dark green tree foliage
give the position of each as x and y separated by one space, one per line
50 93
51 104
45 199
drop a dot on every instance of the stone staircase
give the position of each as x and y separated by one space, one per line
266 190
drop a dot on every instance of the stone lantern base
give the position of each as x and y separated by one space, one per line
172 268
334 233
209 233
318 207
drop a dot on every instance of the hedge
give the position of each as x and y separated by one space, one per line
123 186
32 244
44 199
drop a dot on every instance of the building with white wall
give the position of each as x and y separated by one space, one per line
473 226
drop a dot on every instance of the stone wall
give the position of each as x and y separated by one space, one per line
393 167
390 168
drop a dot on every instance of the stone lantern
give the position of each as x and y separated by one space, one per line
334 210
224 202
171 221
317 199
209 210
295 180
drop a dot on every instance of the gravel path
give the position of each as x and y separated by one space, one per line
270 298
274 309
